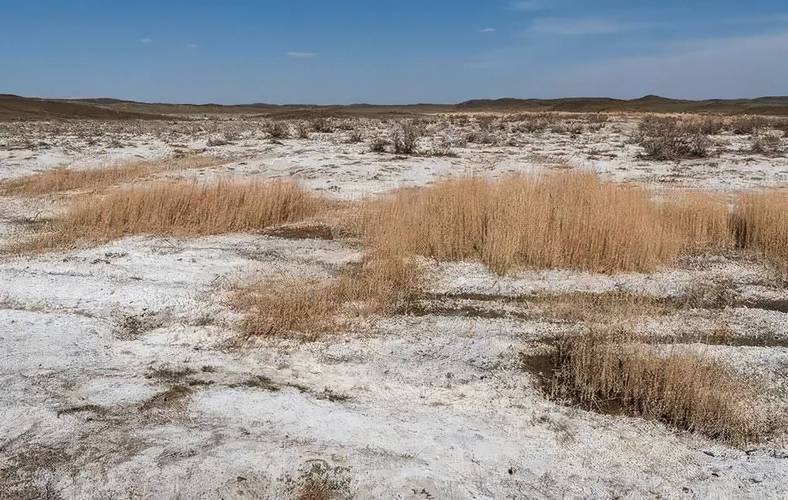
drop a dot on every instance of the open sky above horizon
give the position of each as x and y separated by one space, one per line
388 51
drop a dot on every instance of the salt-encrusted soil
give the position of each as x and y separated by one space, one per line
123 374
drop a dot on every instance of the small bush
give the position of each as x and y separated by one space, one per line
355 136
405 138
278 130
748 125
442 148
302 130
768 144
378 145
322 125
670 139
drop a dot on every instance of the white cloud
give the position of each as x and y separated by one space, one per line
301 55
191 45
487 30
146 40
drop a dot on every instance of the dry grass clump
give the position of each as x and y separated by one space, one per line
667 138
565 220
67 179
701 219
761 223
307 308
611 370
180 208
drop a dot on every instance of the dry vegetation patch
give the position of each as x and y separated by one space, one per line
181 208
68 179
611 370
668 138
564 220
308 308
761 223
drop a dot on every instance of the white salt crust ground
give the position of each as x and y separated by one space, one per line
122 375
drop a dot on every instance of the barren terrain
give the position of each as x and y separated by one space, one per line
127 370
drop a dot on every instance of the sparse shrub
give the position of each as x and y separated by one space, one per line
710 125
405 138
322 125
216 141
665 138
378 145
768 144
355 136
442 148
748 124
302 130
278 130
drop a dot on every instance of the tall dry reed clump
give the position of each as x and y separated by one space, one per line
566 220
761 223
611 370
180 208
68 179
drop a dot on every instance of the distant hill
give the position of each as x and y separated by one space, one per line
649 103
14 107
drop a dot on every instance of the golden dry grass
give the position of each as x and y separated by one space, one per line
702 220
762 225
182 208
59 180
307 308
611 370
565 220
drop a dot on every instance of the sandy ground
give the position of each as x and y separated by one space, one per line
123 375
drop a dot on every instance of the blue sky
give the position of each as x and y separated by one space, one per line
392 51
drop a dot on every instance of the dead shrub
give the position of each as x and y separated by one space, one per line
441 148
355 136
302 130
667 138
767 144
278 130
565 220
322 125
612 371
60 180
405 138
378 145
748 124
